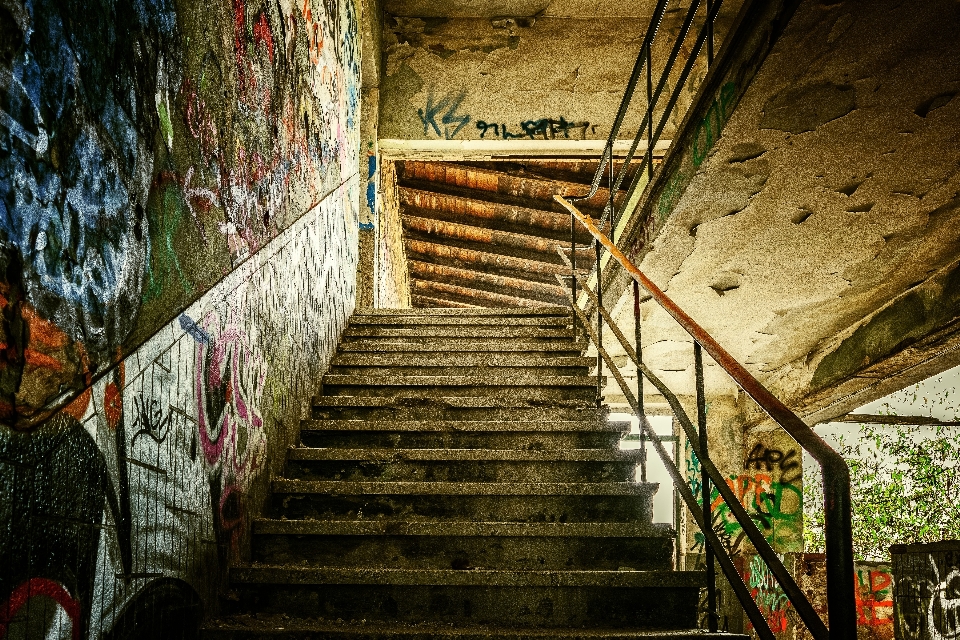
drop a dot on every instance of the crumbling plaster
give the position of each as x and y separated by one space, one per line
833 190
505 78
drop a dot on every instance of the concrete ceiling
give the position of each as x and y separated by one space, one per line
833 194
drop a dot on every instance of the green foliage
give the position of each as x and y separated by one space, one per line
905 486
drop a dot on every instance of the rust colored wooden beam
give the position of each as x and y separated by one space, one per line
473 296
482 259
484 212
489 237
428 302
487 180
455 275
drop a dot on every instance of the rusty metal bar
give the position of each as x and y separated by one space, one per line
639 349
419 177
478 235
726 564
522 266
836 475
712 617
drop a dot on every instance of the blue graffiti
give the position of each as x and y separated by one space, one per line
76 158
190 327
451 102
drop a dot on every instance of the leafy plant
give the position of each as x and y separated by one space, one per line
905 488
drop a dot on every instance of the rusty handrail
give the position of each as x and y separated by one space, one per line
841 605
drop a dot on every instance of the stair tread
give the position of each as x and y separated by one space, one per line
462 425
463 402
341 487
546 310
281 625
285 574
452 343
473 320
483 362
467 528
493 378
472 331
509 455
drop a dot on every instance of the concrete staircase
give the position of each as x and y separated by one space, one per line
458 480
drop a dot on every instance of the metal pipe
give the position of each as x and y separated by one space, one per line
639 349
836 475
705 485
648 39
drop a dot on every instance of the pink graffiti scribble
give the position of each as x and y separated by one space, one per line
229 382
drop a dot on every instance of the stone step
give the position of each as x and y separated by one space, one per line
300 500
458 345
439 404
481 501
473 440
546 310
430 332
471 320
589 423
482 360
385 455
267 526
462 465
597 599
260 574
492 371
492 378
283 628
341 488
461 470
462 545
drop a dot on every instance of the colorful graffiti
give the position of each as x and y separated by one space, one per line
767 593
134 180
928 598
773 501
159 164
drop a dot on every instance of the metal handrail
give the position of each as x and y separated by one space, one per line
841 605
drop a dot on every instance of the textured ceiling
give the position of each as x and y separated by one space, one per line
523 8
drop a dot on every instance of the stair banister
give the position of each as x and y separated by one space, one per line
841 605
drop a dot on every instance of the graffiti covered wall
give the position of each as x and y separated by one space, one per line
178 247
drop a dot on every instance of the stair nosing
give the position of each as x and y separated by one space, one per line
385 455
465 528
490 380
479 426
261 574
414 488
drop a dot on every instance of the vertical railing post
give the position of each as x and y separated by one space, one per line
649 117
573 267
709 34
639 349
712 616
596 245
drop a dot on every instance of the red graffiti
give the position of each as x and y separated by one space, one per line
39 587
875 599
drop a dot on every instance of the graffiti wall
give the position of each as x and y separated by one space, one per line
178 242
927 596
769 487
147 149
874 595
